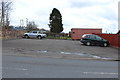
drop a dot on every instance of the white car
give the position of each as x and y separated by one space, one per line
34 34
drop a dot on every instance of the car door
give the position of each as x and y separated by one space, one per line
33 34
93 39
98 40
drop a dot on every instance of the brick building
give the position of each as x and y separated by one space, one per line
76 33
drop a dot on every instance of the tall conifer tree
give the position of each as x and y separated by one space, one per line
56 25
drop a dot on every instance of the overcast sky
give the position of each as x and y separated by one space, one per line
75 13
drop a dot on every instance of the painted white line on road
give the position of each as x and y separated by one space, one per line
102 73
23 69
96 57
43 51
65 53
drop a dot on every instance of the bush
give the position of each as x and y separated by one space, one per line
10 34
52 37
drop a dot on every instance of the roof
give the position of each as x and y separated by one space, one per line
87 28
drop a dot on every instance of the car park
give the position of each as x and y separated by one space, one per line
91 39
34 34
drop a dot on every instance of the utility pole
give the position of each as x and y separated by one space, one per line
26 22
21 22
2 15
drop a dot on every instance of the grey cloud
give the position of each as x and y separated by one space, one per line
81 4
108 14
89 3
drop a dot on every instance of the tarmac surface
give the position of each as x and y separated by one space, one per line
52 48
35 67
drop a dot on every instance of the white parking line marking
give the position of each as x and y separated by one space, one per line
16 68
102 73
65 53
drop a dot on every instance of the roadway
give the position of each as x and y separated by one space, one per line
38 67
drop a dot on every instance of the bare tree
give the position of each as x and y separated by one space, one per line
31 26
5 8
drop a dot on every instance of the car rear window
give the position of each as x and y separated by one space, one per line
86 36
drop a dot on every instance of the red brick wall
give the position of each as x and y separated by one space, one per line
76 33
114 39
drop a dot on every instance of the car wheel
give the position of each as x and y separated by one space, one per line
39 37
88 43
26 36
105 44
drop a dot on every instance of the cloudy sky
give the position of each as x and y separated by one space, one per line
75 13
